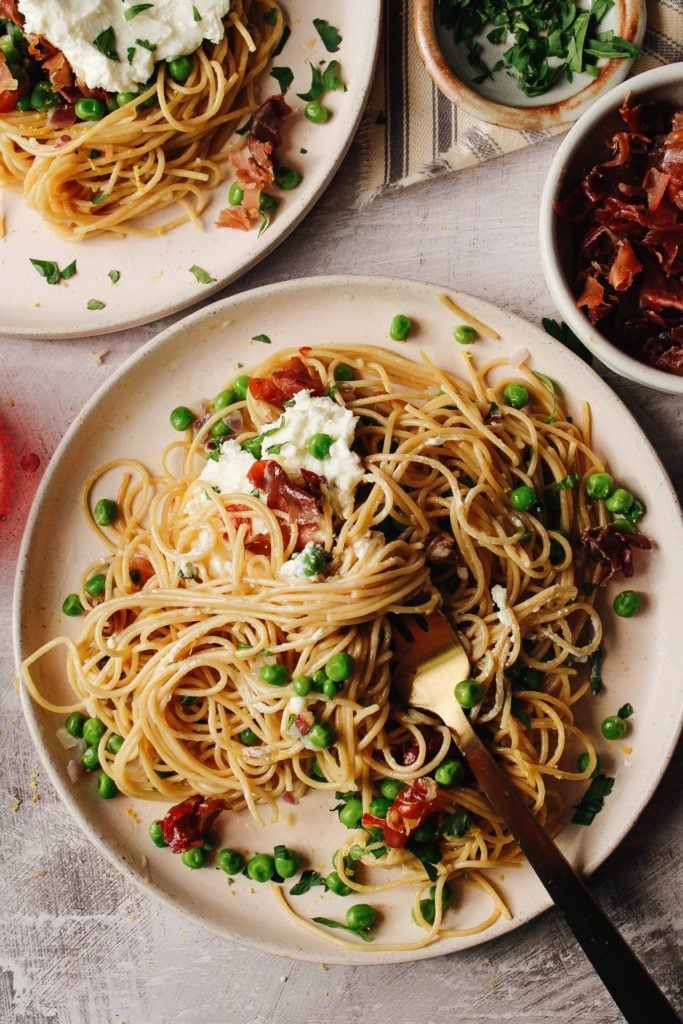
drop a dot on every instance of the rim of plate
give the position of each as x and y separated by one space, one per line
281 229
66 792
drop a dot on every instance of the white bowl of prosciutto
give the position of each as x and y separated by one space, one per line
612 228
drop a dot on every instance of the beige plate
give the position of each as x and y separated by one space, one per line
499 100
195 359
155 278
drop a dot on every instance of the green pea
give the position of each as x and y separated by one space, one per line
613 727
181 417
114 743
180 69
636 511
105 512
379 806
316 112
93 731
266 203
286 861
361 915
583 761
249 738
343 372
71 605
74 724
620 500
241 386
43 98
322 736
274 675
287 178
599 485
224 399
340 666
220 429
464 334
522 498
90 759
235 194
400 327
106 787
468 693
301 685
156 834
230 861
313 561
516 395
330 689
87 109
626 604
122 98
95 585
261 867
390 788
531 679
335 885
428 911
319 446
193 858
449 773
319 679
351 813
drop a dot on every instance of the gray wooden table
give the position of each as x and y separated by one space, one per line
79 944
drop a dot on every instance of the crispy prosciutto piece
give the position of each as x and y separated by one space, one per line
625 267
286 382
186 824
63 116
410 809
299 504
408 753
142 567
9 10
613 548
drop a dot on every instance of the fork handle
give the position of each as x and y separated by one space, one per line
627 981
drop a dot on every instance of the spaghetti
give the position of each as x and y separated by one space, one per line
164 148
227 587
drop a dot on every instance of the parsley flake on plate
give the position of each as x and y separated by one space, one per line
202 276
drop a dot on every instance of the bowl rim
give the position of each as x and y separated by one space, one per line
555 278
532 118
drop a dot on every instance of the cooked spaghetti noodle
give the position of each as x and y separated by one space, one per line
202 592
165 148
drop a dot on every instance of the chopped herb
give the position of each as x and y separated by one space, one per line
100 198
328 33
114 276
94 153
130 53
202 276
520 714
595 662
262 338
106 43
302 150
270 17
146 44
328 80
245 127
332 79
265 224
308 880
95 304
568 483
625 711
426 856
286 32
195 13
589 588
550 384
132 12
564 334
362 933
51 272
593 800
69 271
283 76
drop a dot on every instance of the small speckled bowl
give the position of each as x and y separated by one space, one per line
500 101
579 151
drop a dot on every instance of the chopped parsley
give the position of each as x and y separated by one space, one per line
94 153
51 272
270 17
202 276
114 276
625 711
286 32
145 43
132 12
564 334
195 13
283 76
552 388
567 483
307 881
328 33
105 42
262 338
362 933
99 198
595 662
95 304
130 53
593 800
327 80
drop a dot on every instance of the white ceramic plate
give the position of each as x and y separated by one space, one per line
155 278
195 359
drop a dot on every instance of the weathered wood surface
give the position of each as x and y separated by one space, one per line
79 944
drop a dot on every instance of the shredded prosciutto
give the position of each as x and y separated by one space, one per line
655 184
63 116
625 267
143 567
410 750
186 824
8 100
286 382
259 544
304 723
612 548
234 217
117 621
9 10
281 493
289 798
410 809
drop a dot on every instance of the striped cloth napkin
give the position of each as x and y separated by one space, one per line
412 132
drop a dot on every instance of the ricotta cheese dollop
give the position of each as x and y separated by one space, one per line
162 31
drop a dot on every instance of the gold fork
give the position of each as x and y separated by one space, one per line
429 662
